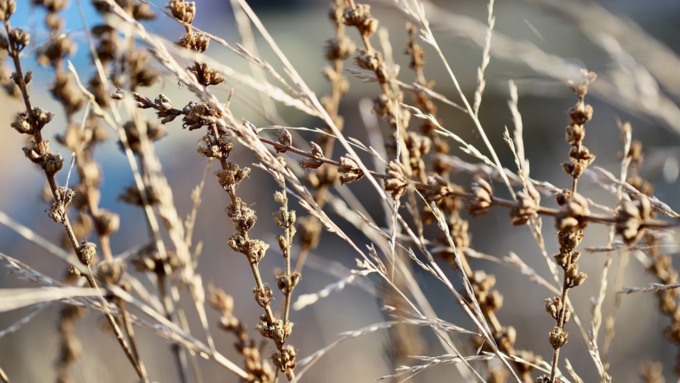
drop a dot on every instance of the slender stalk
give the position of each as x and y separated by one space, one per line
42 147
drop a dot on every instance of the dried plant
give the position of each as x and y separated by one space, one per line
414 180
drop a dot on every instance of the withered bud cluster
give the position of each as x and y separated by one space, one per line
53 54
566 258
284 138
124 65
558 337
22 123
632 214
528 202
70 347
413 49
490 301
482 194
258 370
199 114
349 170
263 296
422 100
572 217
482 284
636 159
133 197
231 176
111 272
309 232
7 9
153 132
17 40
337 49
361 18
87 252
438 190
441 193
387 103
630 223
418 146
285 219
396 180
196 114
162 104
389 106
573 214
149 260
631 217
106 222
324 177
211 148
286 283
554 306
340 48
242 216
317 153
197 42
279 332
76 137
39 153
205 75
253 249
579 156
58 210
138 10
185 12
285 359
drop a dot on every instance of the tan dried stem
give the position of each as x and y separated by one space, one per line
569 221
41 149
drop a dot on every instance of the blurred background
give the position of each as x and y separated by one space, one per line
632 45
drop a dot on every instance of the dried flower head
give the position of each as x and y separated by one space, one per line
284 138
317 154
184 11
231 175
482 194
630 219
528 202
396 180
285 359
87 252
572 216
349 170
361 18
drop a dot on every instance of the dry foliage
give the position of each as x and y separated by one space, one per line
412 171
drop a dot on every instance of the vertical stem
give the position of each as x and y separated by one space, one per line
40 144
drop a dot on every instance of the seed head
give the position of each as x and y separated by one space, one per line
572 216
482 194
396 181
349 170
317 153
528 202
285 138
285 360
630 219
87 252
184 11
53 163
558 338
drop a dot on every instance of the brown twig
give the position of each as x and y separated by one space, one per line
38 151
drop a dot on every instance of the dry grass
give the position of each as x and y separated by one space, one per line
419 227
